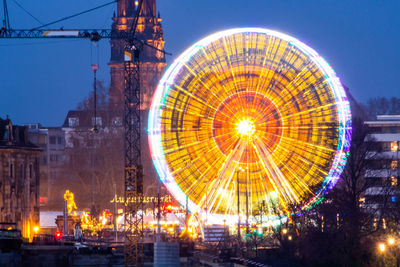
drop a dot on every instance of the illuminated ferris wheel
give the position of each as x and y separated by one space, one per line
249 116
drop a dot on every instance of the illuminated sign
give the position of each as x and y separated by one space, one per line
119 199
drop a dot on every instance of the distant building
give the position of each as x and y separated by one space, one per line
52 158
19 178
95 151
103 154
383 173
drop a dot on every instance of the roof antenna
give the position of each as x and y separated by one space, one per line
6 19
95 67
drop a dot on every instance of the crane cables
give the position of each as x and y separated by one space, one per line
75 15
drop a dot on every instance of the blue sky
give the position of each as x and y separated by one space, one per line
40 80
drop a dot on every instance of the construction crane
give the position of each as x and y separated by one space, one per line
133 170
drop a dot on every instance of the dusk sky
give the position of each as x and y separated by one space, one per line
40 80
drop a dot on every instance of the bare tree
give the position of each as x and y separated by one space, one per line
382 106
95 159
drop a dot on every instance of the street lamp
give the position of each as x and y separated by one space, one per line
238 198
382 247
238 205
36 229
391 241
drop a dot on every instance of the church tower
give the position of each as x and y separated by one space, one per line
152 61
152 64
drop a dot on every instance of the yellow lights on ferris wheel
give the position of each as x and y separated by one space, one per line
249 99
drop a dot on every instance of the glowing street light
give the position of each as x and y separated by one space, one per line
391 241
284 231
36 229
382 247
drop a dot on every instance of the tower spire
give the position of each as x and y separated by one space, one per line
148 8
126 8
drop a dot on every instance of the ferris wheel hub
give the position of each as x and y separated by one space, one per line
246 127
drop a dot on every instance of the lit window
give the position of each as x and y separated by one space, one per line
393 165
393 181
394 146
52 140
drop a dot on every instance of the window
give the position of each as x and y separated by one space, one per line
52 140
11 170
117 121
54 157
98 121
30 171
22 171
59 140
393 165
73 122
43 159
393 181
377 129
42 140
376 181
394 146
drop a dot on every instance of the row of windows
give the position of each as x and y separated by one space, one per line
379 181
391 129
55 140
53 158
98 121
383 164
379 199
12 171
385 146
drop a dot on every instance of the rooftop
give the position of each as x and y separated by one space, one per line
13 136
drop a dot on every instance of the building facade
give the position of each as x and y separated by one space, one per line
383 173
51 140
19 178
104 144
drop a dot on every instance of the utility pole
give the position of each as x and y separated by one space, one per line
115 213
238 205
65 217
187 213
247 206
158 235
95 67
